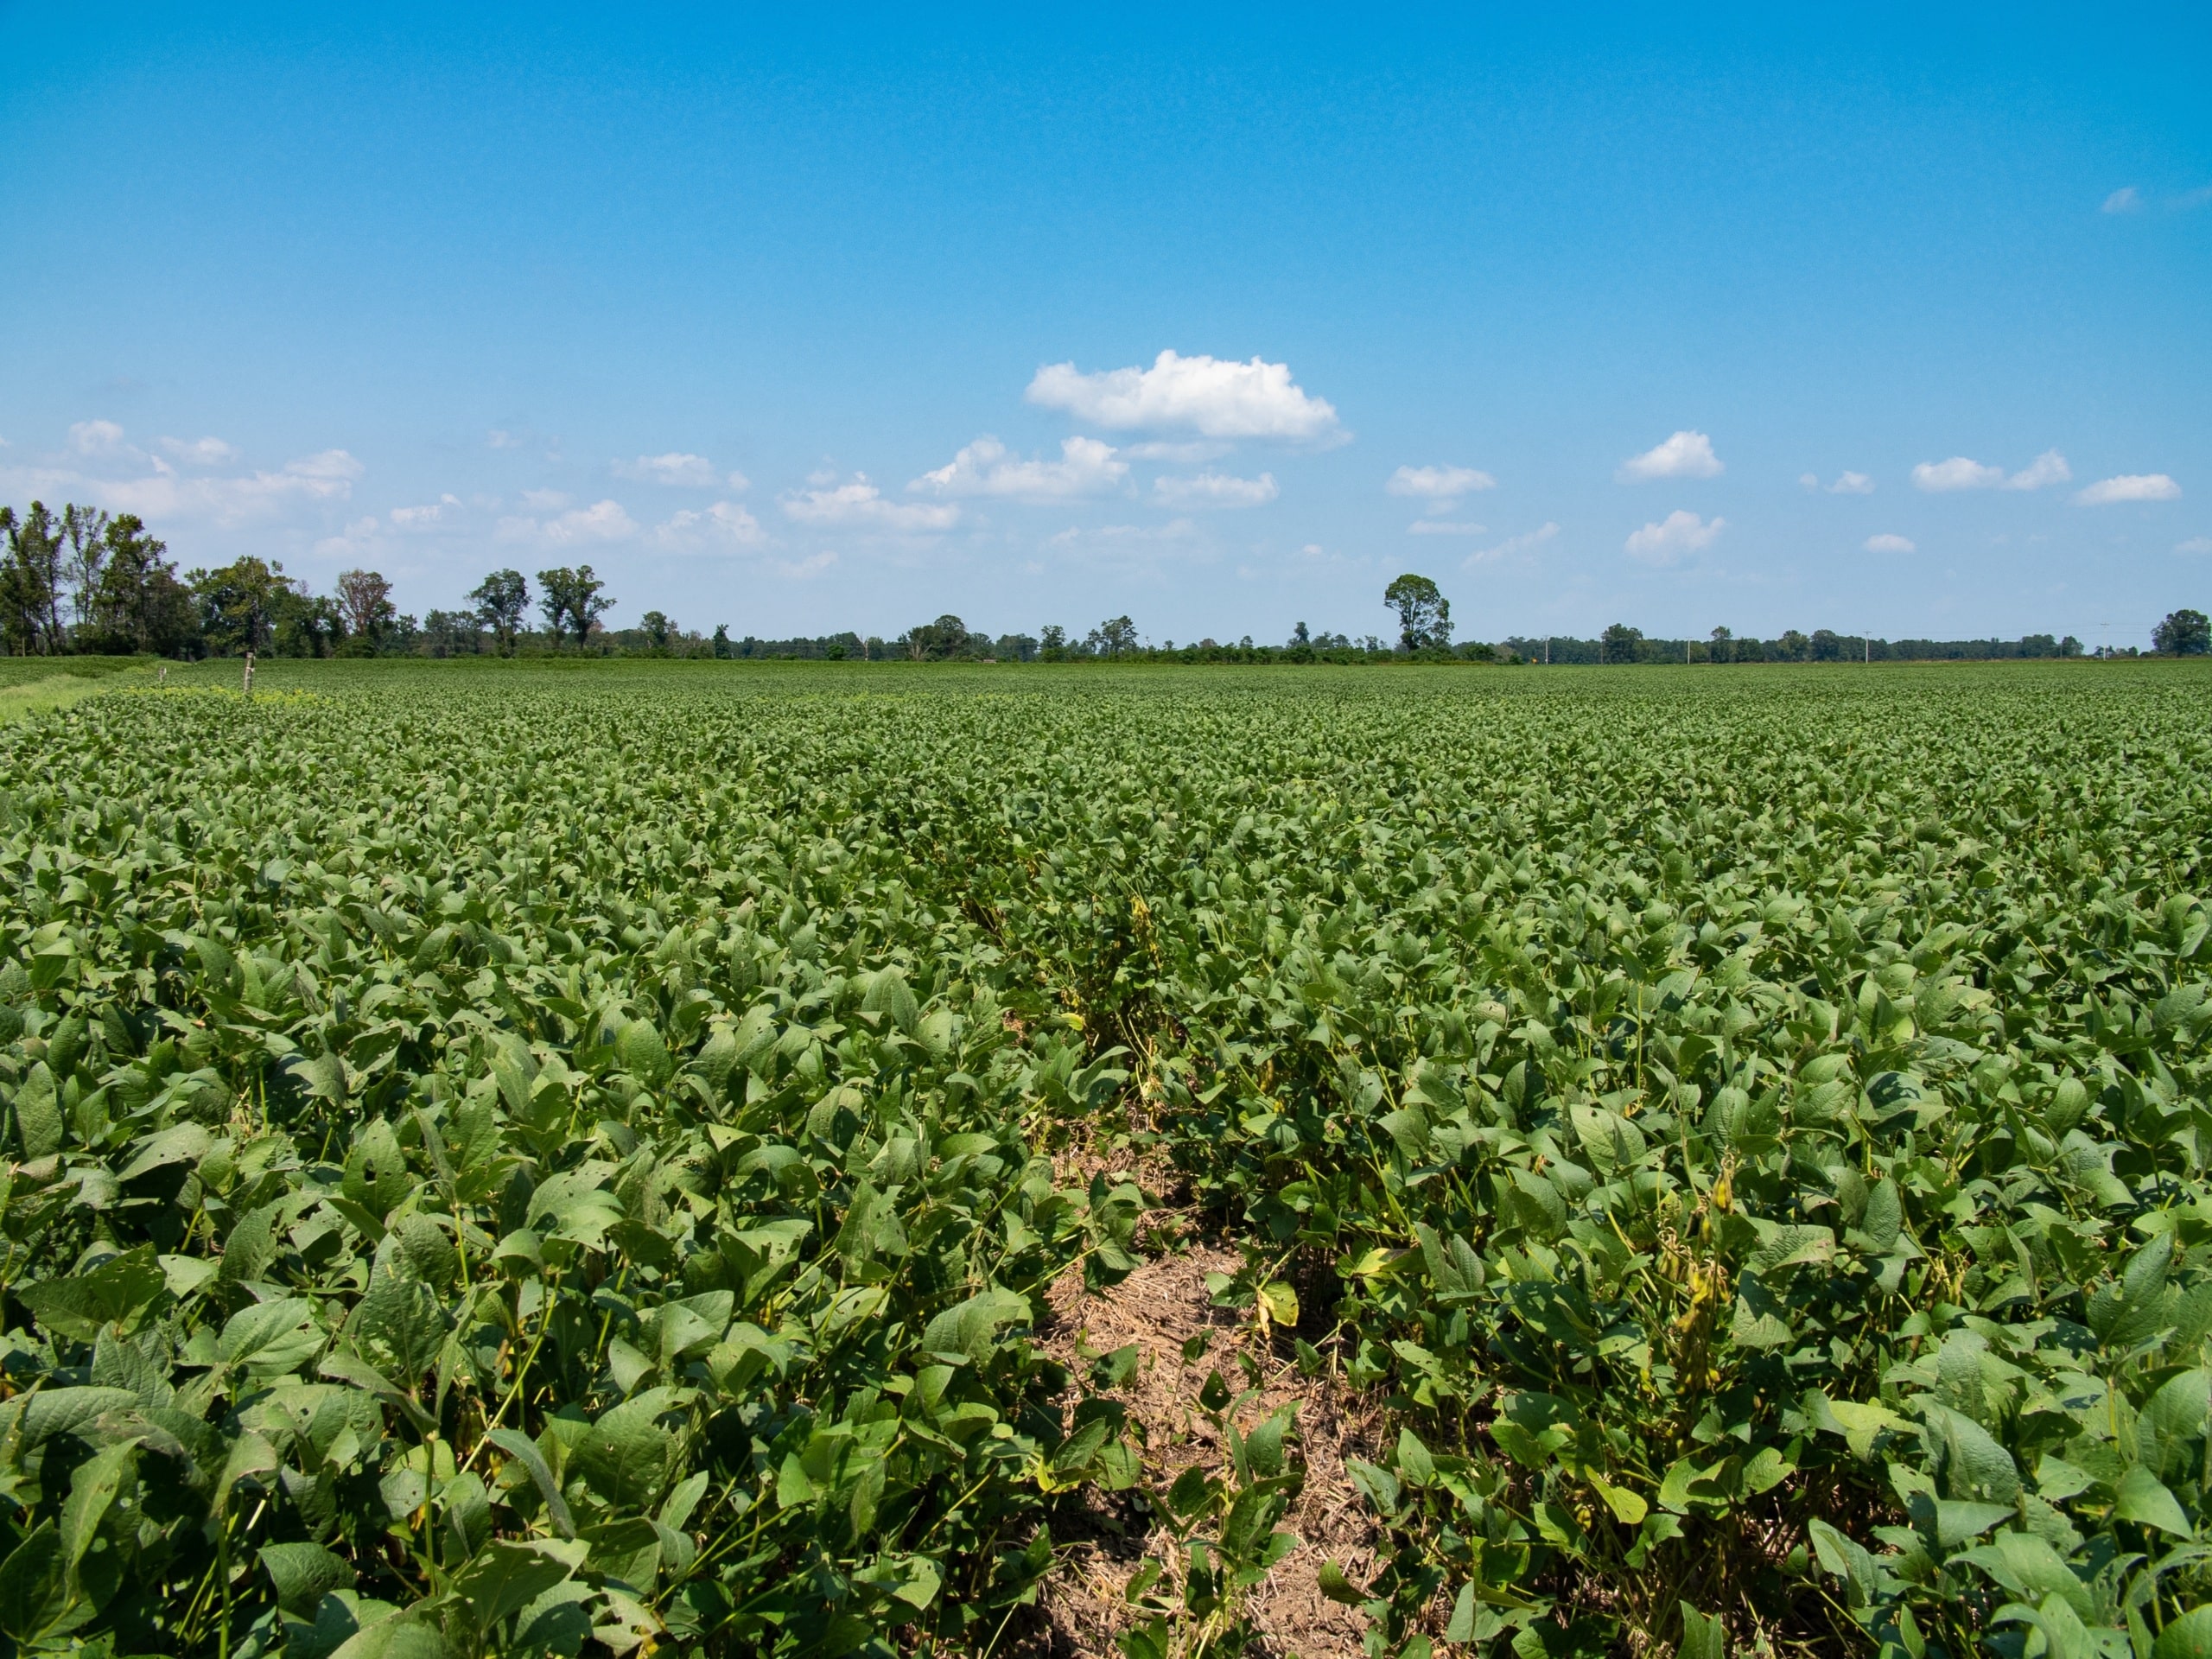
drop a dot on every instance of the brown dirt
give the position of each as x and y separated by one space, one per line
1159 1308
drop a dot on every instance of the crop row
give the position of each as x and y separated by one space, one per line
506 1166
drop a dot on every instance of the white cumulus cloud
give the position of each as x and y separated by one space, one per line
1957 473
1522 543
1215 490
1888 543
1851 484
722 526
2195 544
680 470
1678 533
199 452
158 492
861 503
601 522
1216 397
499 438
1685 454
2049 467
1441 487
1086 466
2130 486
229 501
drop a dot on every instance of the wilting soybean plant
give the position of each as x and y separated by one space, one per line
511 1161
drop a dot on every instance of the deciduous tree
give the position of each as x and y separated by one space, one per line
501 598
30 582
1114 636
2182 634
136 602
572 601
239 602
1424 614
365 602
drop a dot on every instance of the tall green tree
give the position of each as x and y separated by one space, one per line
137 603
307 624
1424 614
2183 633
240 604
365 600
30 582
933 642
84 534
572 601
501 598
1619 644
1114 636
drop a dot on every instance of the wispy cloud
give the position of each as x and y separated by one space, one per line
1442 487
1214 396
2129 487
986 467
95 437
2195 544
803 569
1888 543
2126 200
723 527
1679 533
1685 454
228 502
434 516
1512 544
330 466
1181 455
107 471
859 502
680 471
1175 530
1443 527
199 452
1215 490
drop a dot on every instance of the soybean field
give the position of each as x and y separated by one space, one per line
611 1158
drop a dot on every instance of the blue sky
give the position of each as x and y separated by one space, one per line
798 324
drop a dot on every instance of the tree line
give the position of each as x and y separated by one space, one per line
82 580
